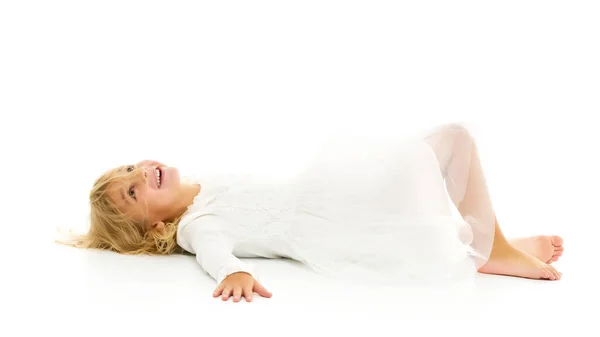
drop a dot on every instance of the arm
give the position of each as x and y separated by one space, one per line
214 254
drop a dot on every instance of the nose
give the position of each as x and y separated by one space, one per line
145 172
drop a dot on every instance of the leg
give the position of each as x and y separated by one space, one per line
460 165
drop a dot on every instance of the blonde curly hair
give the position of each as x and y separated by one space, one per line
110 229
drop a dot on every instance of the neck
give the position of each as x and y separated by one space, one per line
188 193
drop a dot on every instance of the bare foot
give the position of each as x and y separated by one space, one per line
513 262
545 248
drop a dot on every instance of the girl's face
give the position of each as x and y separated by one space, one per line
152 196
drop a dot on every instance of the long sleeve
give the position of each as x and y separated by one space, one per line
213 248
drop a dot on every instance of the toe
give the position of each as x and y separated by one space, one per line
557 253
557 241
545 274
555 273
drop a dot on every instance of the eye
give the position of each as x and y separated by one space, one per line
132 192
130 168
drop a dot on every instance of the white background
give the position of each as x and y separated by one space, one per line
254 85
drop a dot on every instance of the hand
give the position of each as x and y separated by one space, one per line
240 283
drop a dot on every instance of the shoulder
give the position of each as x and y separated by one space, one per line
203 221
200 226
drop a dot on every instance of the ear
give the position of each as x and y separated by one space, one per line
158 226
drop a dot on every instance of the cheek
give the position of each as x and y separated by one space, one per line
162 198
172 175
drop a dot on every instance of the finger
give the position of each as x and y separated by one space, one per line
218 290
261 290
237 294
226 293
248 294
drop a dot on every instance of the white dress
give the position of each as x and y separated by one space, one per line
366 211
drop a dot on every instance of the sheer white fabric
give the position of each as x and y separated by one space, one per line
363 209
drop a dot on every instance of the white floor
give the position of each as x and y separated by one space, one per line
75 293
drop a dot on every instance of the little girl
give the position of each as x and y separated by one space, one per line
374 212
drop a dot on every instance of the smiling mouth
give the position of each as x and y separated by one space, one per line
158 177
